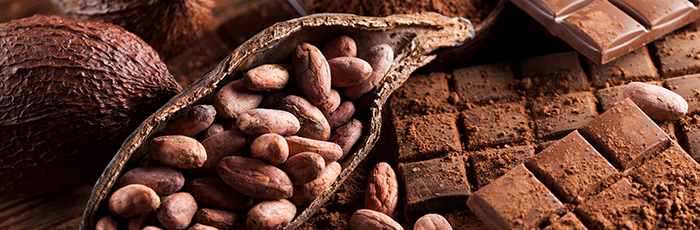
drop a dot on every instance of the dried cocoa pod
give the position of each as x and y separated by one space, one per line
364 219
330 151
257 122
271 214
223 220
347 135
309 191
342 46
213 129
177 210
341 115
163 180
255 178
107 222
270 147
234 99
133 200
268 78
312 73
304 167
191 122
380 58
178 151
432 221
348 71
657 102
214 192
313 123
228 143
382 192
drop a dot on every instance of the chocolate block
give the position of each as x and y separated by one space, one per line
517 200
558 115
495 125
558 73
689 88
689 136
434 186
678 54
611 95
634 66
491 164
570 167
421 94
616 207
625 135
484 83
427 136
605 30
673 168
568 221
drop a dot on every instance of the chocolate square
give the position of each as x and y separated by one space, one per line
495 125
558 115
625 135
618 206
484 83
570 167
608 97
689 88
517 200
634 66
558 73
427 136
421 94
568 222
434 186
679 54
689 136
673 168
489 165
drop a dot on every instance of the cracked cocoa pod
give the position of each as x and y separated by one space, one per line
168 25
71 92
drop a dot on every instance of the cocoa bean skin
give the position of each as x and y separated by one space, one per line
364 219
234 99
177 211
304 167
268 78
432 221
312 73
309 191
214 192
342 46
382 193
271 214
191 122
255 178
348 71
347 135
260 121
133 200
163 180
341 115
312 121
178 151
270 147
657 102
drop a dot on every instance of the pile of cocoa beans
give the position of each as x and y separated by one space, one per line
268 142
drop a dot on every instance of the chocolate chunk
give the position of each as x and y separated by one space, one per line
558 115
634 66
689 88
484 83
434 186
625 135
570 167
491 164
495 125
421 94
428 136
568 221
558 73
517 200
678 54
619 206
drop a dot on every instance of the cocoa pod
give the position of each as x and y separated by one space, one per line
312 73
177 210
657 102
107 222
133 200
268 77
271 214
214 192
163 180
270 147
191 122
309 191
346 136
304 167
178 151
341 115
330 151
234 99
313 123
255 178
260 121
223 220
380 57
382 192
348 71
342 46
432 221
364 219
214 128
227 143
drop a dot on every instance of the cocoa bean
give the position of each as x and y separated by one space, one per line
268 77
341 115
260 121
255 178
234 99
191 122
163 180
214 128
432 221
347 135
304 167
178 151
271 214
107 222
348 71
312 73
270 147
313 123
380 57
177 210
364 219
657 102
382 193
330 151
133 200
342 46
223 220
214 192
309 191
227 143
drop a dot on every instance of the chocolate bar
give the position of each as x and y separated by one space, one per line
603 30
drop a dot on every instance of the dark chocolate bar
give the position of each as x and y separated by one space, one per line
603 30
